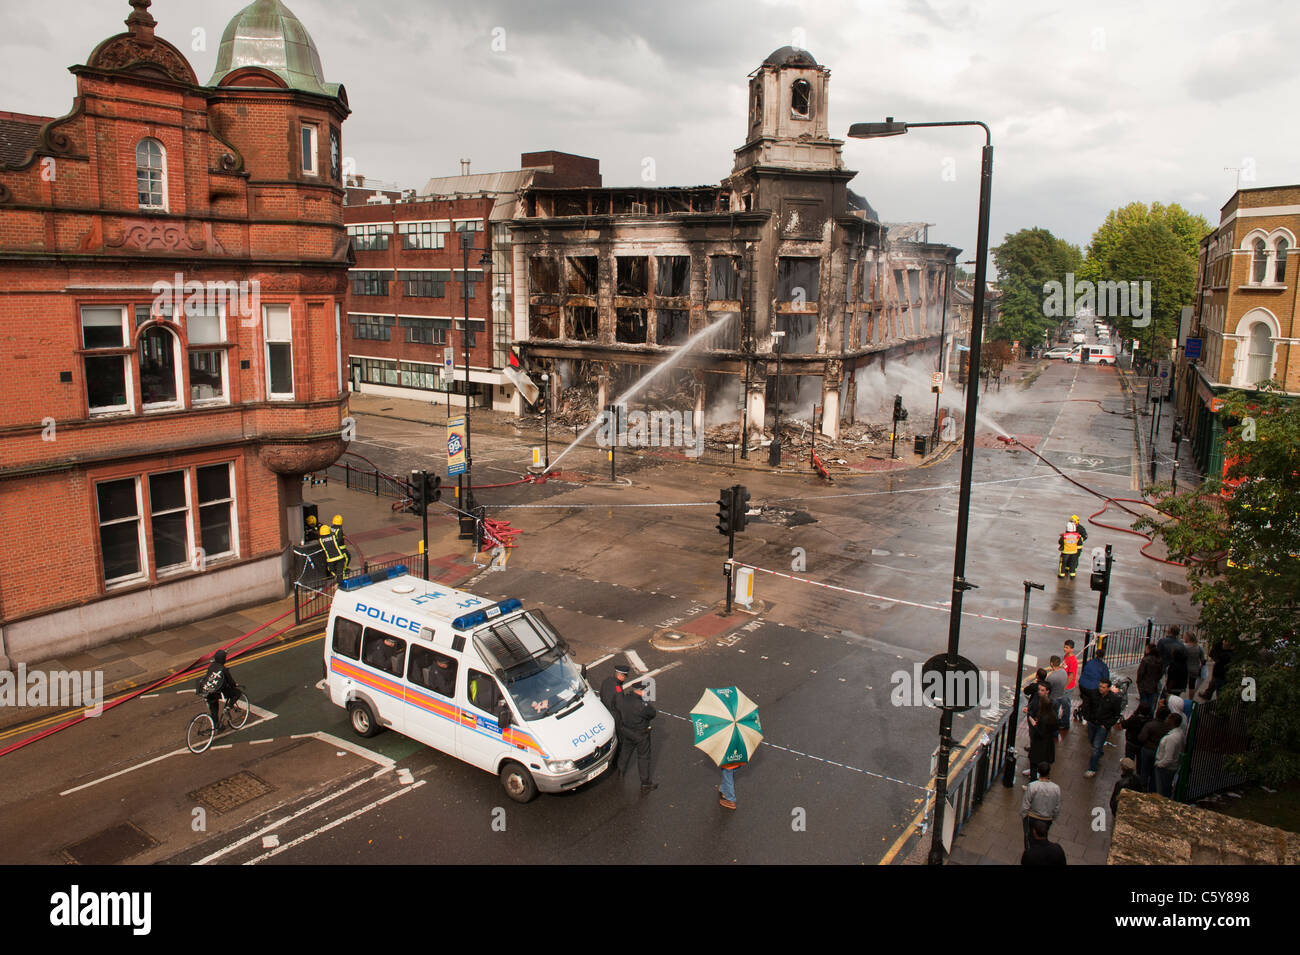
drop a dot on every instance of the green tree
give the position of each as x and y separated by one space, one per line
1240 538
1026 261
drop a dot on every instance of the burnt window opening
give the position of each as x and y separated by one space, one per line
582 274
724 278
543 321
756 111
633 275
801 98
673 277
797 279
631 326
914 285
672 326
800 334
543 275
726 331
898 282
582 323
570 206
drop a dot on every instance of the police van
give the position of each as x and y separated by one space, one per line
490 683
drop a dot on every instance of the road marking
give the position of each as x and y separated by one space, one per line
635 659
123 772
337 822
384 762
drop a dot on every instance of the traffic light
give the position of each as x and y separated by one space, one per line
725 511
900 413
740 502
432 488
417 485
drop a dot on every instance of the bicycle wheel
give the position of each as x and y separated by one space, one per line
238 711
199 735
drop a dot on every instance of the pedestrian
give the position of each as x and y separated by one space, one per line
610 692
635 730
727 790
1171 639
1042 801
1148 741
1176 675
1058 694
1071 664
1128 779
1148 677
1040 851
1133 727
1105 714
1031 691
1042 733
1221 654
1094 671
1168 754
1196 674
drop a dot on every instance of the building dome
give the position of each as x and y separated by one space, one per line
789 56
265 35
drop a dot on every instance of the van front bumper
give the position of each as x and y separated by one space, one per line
600 760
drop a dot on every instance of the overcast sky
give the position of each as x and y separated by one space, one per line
1091 105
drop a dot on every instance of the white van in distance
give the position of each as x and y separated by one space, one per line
1093 354
489 683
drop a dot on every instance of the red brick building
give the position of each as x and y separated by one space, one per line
174 262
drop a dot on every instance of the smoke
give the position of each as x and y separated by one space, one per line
909 377
723 394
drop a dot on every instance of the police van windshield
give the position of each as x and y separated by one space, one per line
534 664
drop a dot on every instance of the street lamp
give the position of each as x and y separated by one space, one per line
943 348
959 584
546 418
485 261
774 454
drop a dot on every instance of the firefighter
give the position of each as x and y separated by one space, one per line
335 561
341 538
310 532
1069 544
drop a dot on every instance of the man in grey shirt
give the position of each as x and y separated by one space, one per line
1057 678
1042 801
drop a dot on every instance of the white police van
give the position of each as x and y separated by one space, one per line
489 683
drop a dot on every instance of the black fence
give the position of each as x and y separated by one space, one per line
1218 731
366 480
314 587
967 786
1124 648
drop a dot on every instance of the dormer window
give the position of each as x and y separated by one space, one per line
801 98
309 134
151 174
756 110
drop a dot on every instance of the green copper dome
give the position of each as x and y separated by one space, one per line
267 35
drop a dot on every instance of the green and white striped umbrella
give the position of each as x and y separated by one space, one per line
726 725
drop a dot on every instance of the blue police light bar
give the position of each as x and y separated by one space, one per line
379 576
471 620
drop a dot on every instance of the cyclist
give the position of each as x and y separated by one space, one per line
218 682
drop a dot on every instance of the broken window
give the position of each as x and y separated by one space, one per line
673 276
582 274
543 321
724 278
914 284
796 279
898 281
801 98
633 275
725 334
582 323
800 334
543 275
672 327
631 327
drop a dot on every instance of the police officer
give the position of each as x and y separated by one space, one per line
611 691
335 562
635 732
1069 545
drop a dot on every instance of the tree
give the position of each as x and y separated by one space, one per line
1240 538
1026 261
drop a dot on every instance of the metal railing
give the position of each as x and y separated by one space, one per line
367 480
977 774
1124 648
1218 730
314 587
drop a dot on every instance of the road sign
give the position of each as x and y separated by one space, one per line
958 688
1216 405
456 446
1192 348
448 357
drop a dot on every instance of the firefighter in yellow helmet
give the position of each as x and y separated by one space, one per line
1069 544
309 529
335 560
341 538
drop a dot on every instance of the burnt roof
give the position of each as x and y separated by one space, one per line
790 56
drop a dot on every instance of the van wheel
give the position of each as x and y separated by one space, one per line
518 782
364 723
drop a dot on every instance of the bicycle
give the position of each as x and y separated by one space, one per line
201 731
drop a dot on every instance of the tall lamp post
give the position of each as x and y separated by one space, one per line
485 261
943 351
774 453
546 419
959 584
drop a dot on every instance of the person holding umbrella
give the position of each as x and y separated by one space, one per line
727 728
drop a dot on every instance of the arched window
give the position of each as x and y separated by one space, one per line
151 174
1279 267
159 378
801 98
1259 263
1259 363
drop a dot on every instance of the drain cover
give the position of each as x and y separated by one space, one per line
231 792
115 844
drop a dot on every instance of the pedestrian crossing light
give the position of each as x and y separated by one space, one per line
740 502
725 511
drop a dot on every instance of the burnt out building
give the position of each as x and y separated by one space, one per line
780 261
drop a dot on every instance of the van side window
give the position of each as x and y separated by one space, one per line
433 671
347 638
482 691
383 651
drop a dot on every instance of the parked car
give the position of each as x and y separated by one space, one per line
1060 351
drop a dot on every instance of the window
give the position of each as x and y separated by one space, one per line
369 282
543 321
469 280
724 278
426 331
1259 263
475 326
278 329
383 651
420 375
1259 363
423 235
433 671
633 275
582 323
631 326
426 284
673 275
801 98
159 381
120 531
1279 266
543 275
377 371
376 328
672 328
483 691
151 174
216 511
347 638
205 325
797 279
108 377
370 237
309 149
582 274
469 230
169 517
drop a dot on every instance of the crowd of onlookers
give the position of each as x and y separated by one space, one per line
1174 676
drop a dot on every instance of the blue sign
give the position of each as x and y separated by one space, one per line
1192 348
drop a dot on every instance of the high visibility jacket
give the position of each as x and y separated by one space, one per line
333 554
1069 542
